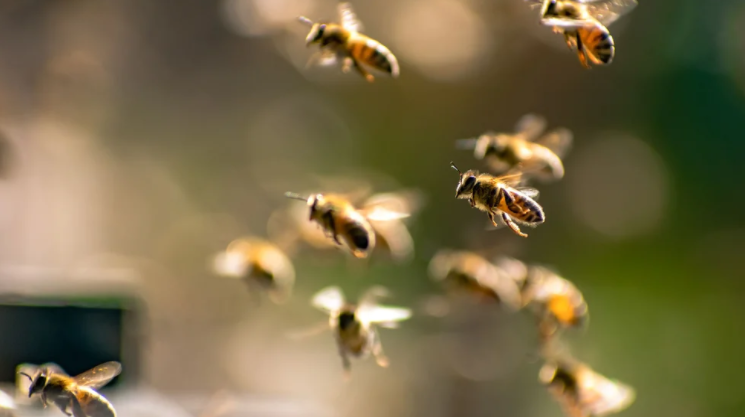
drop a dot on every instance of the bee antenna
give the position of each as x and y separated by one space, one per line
26 375
469 143
305 20
295 196
452 165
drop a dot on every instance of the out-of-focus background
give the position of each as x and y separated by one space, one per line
140 137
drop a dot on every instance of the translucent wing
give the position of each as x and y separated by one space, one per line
329 299
530 126
505 287
534 4
100 375
608 11
407 201
559 141
567 23
600 396
348 18
529 192
395 237
384 316
382 214
512 268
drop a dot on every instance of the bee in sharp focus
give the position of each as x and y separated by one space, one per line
555 301
583 392
584 25
342 222
497 197
261 264
75 396
470 273
354 325
528 148
343 42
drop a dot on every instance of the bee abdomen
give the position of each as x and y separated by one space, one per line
94 404
376 55
359 237
600 43
523 208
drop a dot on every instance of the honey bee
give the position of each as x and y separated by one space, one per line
75 396
470 273
494 196
343 42
354 325
581 391
261 264
342 222
584 25
555 301
528 148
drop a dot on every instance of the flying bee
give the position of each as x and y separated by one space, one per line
343 42
495 196
555 301
261 264
528 148
581 391
470 273
75 396
342 222
354 325
584 25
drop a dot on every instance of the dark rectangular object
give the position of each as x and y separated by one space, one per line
75 334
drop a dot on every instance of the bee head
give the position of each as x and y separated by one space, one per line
347 319
315 34
467 181
38 381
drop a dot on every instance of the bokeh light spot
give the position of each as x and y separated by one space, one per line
619 187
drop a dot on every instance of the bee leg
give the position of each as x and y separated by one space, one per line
581 53
473 203
345 363
507 219
377 351
346 66
491 217
369 77
332 227
77 409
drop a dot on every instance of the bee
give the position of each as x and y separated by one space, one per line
342 222
469 273
75 396
555 301
261 264
528 148
584 25
581 391
494 196
354 325
343 42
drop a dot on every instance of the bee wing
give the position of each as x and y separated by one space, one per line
601 396
395 235
348 18
329 299
529 192
558 141
530 126
608 11
100 375
406 201
534 4
382 315
505 287
567 23
512 268
382 214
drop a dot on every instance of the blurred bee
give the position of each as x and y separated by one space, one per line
75 396
581 391
469 273
392 236
260 264
556 302
354 325
342 222
528 148
584 25
495 196
343 42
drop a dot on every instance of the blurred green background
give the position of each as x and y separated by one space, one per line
150 134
